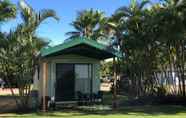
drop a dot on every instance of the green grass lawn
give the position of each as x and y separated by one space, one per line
107 98
102 111
125 112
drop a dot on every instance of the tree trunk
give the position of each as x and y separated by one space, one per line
114 104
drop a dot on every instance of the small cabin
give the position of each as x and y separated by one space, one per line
71 67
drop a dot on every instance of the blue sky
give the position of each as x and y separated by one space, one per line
66 11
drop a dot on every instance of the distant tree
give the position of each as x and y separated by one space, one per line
107 69
87 24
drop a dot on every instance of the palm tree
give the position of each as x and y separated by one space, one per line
149 35
87 24
173 27
7 11
122 15
19 56
127 24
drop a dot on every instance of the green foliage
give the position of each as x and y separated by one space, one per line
19 51
88 24
152 39
150 36
7 10
107 69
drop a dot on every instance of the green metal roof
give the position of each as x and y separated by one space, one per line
82 46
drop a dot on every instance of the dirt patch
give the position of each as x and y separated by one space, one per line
7 91
106 87
7 104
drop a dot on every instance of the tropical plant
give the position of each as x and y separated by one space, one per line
128 23
18 57
87 24
173 19
152 40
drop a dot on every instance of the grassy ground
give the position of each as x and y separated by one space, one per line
103 111
125 112
107 98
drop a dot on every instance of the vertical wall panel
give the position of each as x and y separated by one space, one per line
96 79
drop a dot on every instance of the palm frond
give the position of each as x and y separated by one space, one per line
87 22
123 11
77 25
143 3
40 42
46 13
7 10
27 11
73 33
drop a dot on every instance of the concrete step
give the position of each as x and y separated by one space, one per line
66 104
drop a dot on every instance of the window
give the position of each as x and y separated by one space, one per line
83 73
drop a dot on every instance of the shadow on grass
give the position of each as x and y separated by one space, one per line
7 104
148 110
140 110
128 110
136 111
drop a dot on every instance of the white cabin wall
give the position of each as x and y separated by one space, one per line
67 59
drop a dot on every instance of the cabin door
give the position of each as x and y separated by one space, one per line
65 82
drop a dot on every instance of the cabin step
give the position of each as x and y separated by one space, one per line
66 104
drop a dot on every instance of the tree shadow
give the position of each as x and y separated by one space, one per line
7 104
125 110
145 110
140 110
128 110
